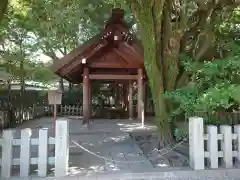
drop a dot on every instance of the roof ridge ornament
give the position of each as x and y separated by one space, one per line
117 4
116 29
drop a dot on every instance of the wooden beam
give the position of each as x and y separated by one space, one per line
105 65
113 77
90 99
114 59
140 96
86 94
130 100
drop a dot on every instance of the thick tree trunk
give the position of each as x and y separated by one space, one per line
3 8
161 115
161 66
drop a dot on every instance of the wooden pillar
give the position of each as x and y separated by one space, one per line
122 95
140 96
146 97
125 90
86 93
116 92
130 100
90 99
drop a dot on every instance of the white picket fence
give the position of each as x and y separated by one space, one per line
60 160
3 119
28 114
68 110
31 113
206 145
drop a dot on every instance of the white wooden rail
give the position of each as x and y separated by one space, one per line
68 110
25 142
31 113
28 114
229 145
3 119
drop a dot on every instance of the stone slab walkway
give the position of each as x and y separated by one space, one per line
107 138
221 174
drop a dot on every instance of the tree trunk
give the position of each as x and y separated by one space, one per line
162 36
161 65
11 118
3 8
161 115
22 90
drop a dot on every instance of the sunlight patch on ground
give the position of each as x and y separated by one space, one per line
162 165
116 139
135 126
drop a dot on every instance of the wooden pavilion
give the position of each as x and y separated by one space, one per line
114 55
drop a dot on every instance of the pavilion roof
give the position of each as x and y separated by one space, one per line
113 50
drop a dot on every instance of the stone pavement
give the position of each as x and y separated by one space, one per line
107 138
230 174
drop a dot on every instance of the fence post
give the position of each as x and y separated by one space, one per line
226 144
61 148
7 153
237 131
196 143
212 146
43 152
25 152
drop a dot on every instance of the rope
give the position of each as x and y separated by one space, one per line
127 162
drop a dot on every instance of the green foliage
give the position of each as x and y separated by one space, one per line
183 99
17 47
219 97
180 133
215 86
